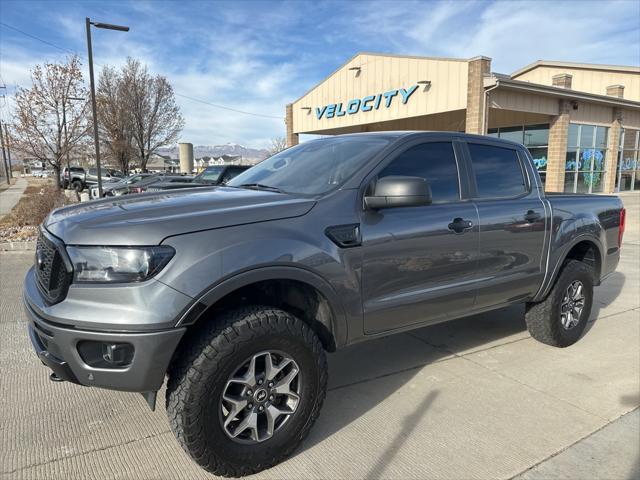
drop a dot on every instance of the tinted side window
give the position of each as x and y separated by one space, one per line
436 162
93 171
498 171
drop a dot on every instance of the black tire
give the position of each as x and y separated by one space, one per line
207 359
544 318
77 186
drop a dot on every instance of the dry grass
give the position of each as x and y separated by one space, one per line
39 198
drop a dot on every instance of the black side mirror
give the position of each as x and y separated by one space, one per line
396 191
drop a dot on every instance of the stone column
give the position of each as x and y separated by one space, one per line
611 159
479 67
292 138
557 153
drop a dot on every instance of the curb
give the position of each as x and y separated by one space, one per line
18 246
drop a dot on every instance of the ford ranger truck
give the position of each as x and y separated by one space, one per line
234 294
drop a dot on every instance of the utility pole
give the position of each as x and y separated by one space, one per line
4 155
8 142
7 171
96 139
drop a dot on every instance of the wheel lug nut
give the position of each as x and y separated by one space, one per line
249 392
270 384
250 406
261 408
270 397
259 382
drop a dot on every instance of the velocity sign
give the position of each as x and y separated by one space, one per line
365 104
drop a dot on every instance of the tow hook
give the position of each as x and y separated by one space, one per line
55 378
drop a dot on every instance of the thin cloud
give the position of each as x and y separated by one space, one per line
259 56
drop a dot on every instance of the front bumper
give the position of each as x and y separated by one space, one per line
57 348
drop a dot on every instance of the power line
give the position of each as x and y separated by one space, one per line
226 108
216 105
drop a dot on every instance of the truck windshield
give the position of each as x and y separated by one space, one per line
209 174
314 167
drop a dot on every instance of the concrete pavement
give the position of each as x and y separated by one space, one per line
473 398
10 196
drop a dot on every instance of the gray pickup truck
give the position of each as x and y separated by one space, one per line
234 293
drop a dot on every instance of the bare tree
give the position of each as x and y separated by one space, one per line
42 110
278 144
156 117
115 117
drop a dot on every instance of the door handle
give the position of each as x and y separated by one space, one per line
532 216
459 225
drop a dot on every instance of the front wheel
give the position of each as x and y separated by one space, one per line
245 390
77 186
560 319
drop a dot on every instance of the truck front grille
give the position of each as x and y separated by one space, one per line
51 272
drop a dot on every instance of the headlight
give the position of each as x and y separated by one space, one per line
117 264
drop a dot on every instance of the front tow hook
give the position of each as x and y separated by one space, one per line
55 378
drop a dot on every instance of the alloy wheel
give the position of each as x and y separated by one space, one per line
572 305
260 397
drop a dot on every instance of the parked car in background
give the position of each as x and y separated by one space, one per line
69 175
214 175
78 178
235 293
121 187
108 175
145 183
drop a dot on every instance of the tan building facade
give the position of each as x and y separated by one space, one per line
581 122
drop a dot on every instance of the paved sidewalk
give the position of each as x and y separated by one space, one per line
610 453
10 197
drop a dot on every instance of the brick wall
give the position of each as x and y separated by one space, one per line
611 159
616 91
292 138
562 80
479 67
557 154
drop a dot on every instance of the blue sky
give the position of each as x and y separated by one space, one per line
258 56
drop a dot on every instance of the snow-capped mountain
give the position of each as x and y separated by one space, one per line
199 151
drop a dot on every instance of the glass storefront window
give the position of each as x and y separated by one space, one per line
534 137
602 134
629 161
539 158
585 162
512 133
572 136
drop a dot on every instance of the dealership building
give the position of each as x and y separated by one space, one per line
581 122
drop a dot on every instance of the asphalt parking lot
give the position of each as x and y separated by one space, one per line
474 398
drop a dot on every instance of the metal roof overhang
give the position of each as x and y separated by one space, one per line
509 84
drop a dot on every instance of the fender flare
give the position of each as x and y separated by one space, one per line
550 279
231 283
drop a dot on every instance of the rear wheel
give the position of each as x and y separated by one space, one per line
77 185
244 391
560 319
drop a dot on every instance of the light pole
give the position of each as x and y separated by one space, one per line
106 26
64 122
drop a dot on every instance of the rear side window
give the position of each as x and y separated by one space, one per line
498 171
435 162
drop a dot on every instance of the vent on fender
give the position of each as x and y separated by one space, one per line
345 236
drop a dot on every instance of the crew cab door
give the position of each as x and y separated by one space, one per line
419 263
513 223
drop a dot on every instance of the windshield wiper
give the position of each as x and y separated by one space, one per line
260 186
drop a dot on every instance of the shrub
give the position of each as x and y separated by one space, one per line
35 205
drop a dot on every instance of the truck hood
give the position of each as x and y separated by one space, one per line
147 219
